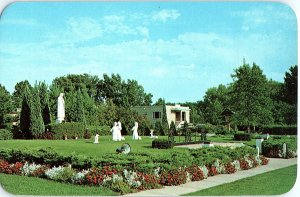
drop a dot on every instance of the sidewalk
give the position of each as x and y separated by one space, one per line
274 164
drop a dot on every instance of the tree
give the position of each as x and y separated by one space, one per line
44 100
31 120
37 126
25 114
17 95
121 93
173 128
216 99
160 101
250 98
6 105
290 87
75 82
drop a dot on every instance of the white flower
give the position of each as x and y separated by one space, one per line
28 169
157 171
130 177
204 170
53 172
79 176
236 164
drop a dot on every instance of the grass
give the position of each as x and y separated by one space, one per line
22 185
106 145
275 182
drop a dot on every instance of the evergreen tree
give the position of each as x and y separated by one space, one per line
6 105
37 126
25 114
44 98
164 120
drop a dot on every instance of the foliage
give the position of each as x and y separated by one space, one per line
279 129
250 98
6 104
37 127
162 144
25 114
19 93
44 100
273 147
242 136
290 87
125 94
214 103
71 129
5 134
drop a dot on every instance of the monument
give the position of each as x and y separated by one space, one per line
96 139
60 108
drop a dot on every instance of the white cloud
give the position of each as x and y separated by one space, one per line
77 30
164 15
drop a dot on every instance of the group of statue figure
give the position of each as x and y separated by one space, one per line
115 130
117 135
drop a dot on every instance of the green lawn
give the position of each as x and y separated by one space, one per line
106 145
270 183
22 185
86 147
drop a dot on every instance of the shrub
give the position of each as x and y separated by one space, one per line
242 137
161 144
5 134
279 129
273 147
76 129
120 187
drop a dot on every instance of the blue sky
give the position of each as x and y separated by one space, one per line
175 50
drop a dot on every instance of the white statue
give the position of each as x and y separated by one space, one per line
119 134
96 139
60 108
135 135
115 131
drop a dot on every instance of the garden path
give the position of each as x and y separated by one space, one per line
274 164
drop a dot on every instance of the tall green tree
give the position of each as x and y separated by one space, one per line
290 87
37 126
44 100
25 116
17 95
216 99
6 105
250 96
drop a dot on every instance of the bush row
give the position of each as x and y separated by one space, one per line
142 161
75 129
279 129
5 134
242 137
273 147
162 144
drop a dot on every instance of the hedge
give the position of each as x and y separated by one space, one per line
162 144
279 129
242 137
139 161
5 134
76 129
273 147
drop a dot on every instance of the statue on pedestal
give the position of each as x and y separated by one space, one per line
60 108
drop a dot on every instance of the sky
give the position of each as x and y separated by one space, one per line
176 51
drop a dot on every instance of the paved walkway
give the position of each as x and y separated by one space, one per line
216 180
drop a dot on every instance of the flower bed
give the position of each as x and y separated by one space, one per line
126 178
